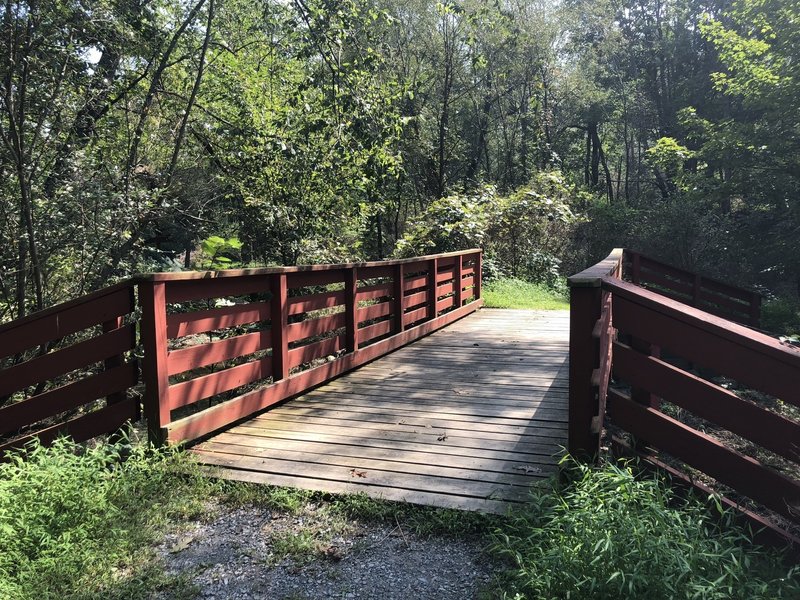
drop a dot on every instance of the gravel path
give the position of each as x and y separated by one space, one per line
262 553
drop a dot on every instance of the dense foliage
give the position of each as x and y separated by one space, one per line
78 523
321 130
608 534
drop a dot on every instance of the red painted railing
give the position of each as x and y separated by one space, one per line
666 362
57 363
711 295
216 346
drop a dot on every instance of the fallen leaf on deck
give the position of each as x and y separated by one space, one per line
357 473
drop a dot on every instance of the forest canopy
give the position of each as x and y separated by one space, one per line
141 135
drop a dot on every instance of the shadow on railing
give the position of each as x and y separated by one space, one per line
678 383
218 346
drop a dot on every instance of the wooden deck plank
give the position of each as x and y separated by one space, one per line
402 447
466 418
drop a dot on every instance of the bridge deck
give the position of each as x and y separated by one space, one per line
466 418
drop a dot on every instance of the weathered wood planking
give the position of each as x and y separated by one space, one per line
468 417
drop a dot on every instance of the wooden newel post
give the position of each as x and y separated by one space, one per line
399 297
351 308
279 317
432 287
152 297
584 357
478 275
755 310
112 362
458 284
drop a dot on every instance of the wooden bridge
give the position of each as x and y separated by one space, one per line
386 378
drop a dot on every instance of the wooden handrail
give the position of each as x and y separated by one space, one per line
712 295
621 327
360 321
296 336
226 273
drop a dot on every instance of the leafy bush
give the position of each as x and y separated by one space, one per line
781 315
78 523
524 235
608 534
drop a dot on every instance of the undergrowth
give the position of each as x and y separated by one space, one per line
515 293
608 534
79 523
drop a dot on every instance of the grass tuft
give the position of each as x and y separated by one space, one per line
79 523
608 534
515 293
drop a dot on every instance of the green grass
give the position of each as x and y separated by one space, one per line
515 293
609 534
77 523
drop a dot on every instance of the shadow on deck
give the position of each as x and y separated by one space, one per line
468 417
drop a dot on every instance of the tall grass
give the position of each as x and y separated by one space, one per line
78 523
608 534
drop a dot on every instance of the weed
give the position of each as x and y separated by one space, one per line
608 534
77 522
515 293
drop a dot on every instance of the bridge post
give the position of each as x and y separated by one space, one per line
458 285
589 355
152 298
478 275
351 309
279 308
399 297
584 357
432 287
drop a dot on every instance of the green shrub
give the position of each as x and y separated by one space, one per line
608 534
78 523
781 315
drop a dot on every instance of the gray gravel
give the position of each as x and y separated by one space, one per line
238 555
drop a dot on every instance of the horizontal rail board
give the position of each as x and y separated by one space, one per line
655 267
446 303
313 327
203 321
320 349
446 275
647 278
374 311
203 355
187 290
64 319
370 332
416 299
414 283
746 475
67 397
372 292
749 357
206 386
82 354
301 304
746 296
413 316
104 420
708 401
